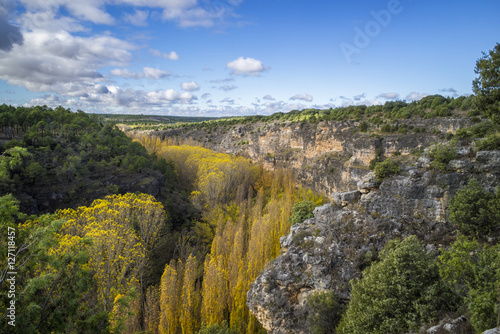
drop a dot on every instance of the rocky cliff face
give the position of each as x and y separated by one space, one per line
327 156
327 251
344 237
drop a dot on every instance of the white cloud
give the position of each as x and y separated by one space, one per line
93 10
61 63
190 86
206 96
116 98
172 55
448 90
223 80
187 13
246 66
414 96
227 88
359 97
139 18
453 91
389 96
147 73
48 21
227 100
268 97
303 97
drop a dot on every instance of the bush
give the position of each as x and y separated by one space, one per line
462 134
302 211
325 312
441 155
399 293
385 169
363 127
472 269
216 329
474 211
492 142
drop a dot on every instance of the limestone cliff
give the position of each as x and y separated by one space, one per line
327 251
345 236
327 156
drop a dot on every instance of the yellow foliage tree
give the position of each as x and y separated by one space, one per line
171 285
247 226
122 229
190 298
152 310
214 307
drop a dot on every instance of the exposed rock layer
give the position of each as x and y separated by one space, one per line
328 156
327 251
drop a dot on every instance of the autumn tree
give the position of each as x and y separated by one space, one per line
123 228
190 297
171 284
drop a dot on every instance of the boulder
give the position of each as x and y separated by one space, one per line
346 197
488 161
455 326
367 183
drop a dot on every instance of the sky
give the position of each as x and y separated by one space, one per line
238 57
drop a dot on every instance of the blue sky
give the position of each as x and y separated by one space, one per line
238 57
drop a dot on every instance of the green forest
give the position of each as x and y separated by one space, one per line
108 233
110 257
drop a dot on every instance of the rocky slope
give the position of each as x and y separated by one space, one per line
345 236
327 156
327 251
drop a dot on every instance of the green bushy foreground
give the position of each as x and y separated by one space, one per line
400 292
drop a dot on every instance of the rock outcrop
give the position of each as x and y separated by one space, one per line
327 251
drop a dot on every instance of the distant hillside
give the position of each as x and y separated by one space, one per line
331 150
152 119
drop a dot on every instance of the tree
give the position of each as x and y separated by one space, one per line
475 211
399 293
472 269
190 298
487 85
325 312
10 161
52 281
170 295
385 169
302 211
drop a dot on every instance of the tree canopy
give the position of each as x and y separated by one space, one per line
487 85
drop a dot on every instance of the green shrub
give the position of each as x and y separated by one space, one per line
217 329
472 270
441 155
482 129
474 211
399 293
363 127
492 142
385 169
325 312
462 134
302 211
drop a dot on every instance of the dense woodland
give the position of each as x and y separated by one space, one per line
100 256
123 262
